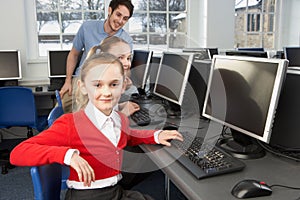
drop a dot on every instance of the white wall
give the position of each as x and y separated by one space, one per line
12 23
214 28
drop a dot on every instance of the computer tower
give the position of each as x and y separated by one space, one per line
286 126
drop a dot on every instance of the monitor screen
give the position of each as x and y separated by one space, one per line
10 65
292 54
243 92
286 129
251 49
154 65
199 53
260 54
212 52
57 60
140 67
173 76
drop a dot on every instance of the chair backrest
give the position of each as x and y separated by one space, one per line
54 114
17 107
49 180
46 181
58 98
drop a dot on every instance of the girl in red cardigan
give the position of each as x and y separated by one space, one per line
91 140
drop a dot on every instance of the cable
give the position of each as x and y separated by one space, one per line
278 152
285 186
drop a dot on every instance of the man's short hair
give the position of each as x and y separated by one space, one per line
115 3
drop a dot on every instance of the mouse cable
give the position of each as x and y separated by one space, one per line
285 186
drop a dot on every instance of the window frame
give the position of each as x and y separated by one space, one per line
34 52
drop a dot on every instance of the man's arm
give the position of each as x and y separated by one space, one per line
71 65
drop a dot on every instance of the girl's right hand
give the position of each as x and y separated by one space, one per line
84 170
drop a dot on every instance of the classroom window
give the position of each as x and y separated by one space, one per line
155 24
255 23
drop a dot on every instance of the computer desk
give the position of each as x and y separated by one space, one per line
44 101
270 169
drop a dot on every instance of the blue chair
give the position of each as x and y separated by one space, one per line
18 109
46 181
58 99
49 180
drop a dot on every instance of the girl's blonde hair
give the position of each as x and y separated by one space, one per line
91 62
105 45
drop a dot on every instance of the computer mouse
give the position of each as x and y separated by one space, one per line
251 188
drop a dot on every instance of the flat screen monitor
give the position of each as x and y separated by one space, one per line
172 76
10 65
212 52
261 54
292 54
286 129
251 49
199 53
154 65
57 60
140 67
242 94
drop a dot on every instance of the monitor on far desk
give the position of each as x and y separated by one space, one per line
140 65
172 81
292 54
57 61
10 67
260 54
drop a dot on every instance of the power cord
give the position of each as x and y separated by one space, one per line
278 152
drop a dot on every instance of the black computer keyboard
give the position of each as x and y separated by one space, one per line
141 117
203 160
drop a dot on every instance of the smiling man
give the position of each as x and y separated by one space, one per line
91 33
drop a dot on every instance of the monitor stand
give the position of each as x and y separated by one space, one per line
242 146
173 110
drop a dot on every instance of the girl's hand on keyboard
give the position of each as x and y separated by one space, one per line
166 136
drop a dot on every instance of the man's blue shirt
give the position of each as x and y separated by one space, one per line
91 33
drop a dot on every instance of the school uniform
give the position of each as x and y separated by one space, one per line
98 139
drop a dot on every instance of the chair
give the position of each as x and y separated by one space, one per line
58 99
49 180
46 181
18 109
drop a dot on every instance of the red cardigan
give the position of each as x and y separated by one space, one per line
76 131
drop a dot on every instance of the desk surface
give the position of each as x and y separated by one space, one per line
270 169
